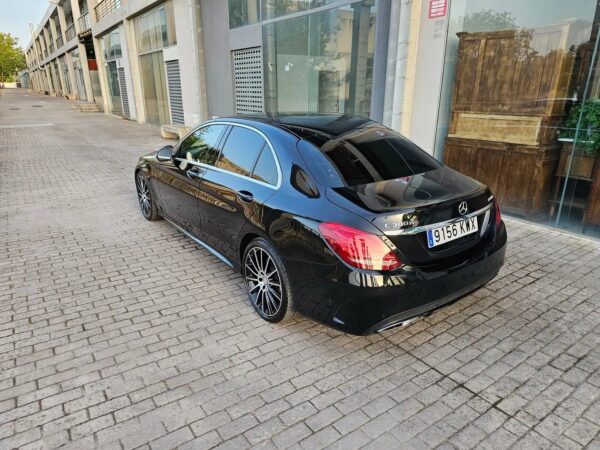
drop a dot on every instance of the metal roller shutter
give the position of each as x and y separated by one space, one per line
124 96
175 98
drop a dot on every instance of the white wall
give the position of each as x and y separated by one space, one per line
428 78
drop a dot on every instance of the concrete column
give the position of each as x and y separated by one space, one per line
40 48
87 81
127 57
76 12
37 87
100 61
43 44
47 38
48 76
72 79
61 77
53 32
86 73
91 4
62 20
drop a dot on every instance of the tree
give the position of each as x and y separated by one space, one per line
488 20
12 58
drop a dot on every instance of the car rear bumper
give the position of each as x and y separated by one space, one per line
360 303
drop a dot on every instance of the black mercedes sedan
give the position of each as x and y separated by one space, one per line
333 216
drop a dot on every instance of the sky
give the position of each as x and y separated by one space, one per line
15 16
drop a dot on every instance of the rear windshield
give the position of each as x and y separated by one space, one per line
364 156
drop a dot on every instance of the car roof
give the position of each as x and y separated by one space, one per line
307 125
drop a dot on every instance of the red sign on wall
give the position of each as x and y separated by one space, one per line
437 8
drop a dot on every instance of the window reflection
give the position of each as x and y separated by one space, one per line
154 31
321 62
243 12
201 145
278 8
240 151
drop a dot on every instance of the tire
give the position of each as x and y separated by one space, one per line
267 282
145 200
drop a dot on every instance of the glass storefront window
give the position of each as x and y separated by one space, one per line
515 76
278 8
321 62
243 12
111 48
111 45
155 30
152 68
78 75
65 71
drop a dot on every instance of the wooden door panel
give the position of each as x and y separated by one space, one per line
520 171
459 157
468 59
593 213
490 161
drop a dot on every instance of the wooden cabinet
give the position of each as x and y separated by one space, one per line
520 176
518 72
592 215
509 98
583 189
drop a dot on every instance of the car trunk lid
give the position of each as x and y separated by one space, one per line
404 208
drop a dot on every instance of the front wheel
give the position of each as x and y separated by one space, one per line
267 282
144 194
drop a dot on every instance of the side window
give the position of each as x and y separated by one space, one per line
240 151
201 145
266 169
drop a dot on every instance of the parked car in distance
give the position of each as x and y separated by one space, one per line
333 216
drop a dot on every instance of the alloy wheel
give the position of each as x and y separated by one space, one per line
143 192
264 282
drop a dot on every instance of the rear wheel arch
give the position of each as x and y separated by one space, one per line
246 239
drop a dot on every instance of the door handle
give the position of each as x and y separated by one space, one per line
195 173
246 196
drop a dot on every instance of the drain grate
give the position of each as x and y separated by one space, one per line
36 106
14 109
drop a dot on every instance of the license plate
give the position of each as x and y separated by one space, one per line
441 235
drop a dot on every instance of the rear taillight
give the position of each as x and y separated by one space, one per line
498 215
359 248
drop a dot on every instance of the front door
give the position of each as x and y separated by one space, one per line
80 83
114 88
236 187
179 185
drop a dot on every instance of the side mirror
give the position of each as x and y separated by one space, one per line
165 154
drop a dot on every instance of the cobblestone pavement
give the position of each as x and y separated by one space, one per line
120 333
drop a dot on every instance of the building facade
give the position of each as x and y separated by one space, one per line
503 91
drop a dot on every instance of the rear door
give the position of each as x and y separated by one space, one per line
236 187
179 184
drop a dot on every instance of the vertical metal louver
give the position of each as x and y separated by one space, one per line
248 79
124 96
175 98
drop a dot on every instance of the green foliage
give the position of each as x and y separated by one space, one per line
12 58
489 20
588 139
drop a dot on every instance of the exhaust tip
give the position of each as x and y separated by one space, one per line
402 323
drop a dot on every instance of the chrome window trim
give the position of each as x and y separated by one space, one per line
423 228
218 169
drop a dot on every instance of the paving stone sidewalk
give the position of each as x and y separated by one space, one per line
120 333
